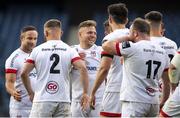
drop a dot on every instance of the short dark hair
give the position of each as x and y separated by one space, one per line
87 23
154 16
119 12
28 28
141 25
52 23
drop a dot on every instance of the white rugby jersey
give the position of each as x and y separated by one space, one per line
114 77
167 44
144 63
14 64
92 59
176 95
53 60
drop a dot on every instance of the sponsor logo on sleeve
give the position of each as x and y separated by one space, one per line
125 44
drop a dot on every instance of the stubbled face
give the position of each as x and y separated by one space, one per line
29 40
87 35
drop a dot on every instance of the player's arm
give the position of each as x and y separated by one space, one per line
173 76
101 75
28 67
166 88
10 80
174 69
112 47
80 65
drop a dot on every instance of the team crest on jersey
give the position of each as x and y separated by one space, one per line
52 87
93 53
125 44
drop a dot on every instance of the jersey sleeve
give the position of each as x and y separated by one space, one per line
174 75
176 60
126 48
74 56
32 57
11 65
106 54
110 36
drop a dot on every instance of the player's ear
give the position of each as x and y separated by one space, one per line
110 19
127 20
46 33
79 33
21 37
61 32
135 33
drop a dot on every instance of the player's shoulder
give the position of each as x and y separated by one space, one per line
97 48
14 57
40 46
74 46
117 33
169 40
14 54
163 41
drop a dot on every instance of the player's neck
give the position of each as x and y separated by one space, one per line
142 37
156 34
118 26
85 46
24 49
53 38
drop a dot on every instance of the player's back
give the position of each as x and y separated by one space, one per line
114 77
144 63
53 61
167 44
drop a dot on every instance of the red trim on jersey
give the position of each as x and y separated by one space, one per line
118 49
163 113
107 114
178 52
166 69
103 52
11 71
75 59
30 61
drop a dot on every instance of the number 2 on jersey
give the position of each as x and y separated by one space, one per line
150 63
55 58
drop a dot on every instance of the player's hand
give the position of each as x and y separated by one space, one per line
82 55
85 101
92 102
17 95
31 96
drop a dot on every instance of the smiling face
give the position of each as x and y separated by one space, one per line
29 39
87 36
